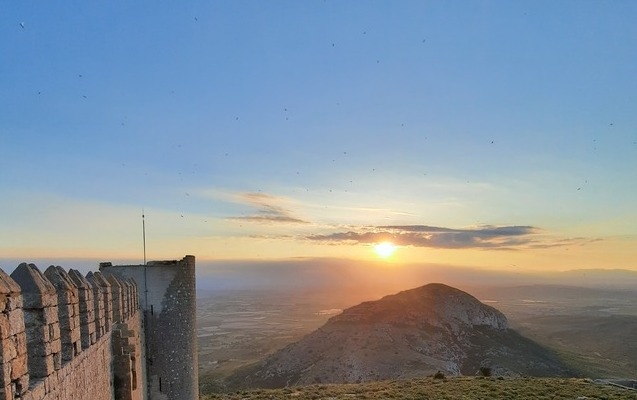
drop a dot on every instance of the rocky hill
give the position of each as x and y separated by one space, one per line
414 333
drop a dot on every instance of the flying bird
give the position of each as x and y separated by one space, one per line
22 25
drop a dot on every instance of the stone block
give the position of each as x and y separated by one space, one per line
14 301
40 367
37 333
19 366
38 391
22 384
16 321
6 393
39 348
7 350
34 318
5 373
57 361
5 327
54 330
21 343
56 346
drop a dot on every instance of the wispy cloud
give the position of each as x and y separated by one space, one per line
269 209
565 242
494 237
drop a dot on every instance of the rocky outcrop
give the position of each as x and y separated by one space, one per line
410 334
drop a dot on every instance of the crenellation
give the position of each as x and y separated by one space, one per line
126 298
98 306
107 295
87 308
118 303
95 322
40 320
14 379
68 309
134 294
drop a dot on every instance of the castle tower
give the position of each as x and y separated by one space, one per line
168 301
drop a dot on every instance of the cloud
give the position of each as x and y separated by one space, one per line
565 242
269 209
488 236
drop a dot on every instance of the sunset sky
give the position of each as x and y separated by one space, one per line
491 134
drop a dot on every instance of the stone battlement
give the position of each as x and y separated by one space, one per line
65 336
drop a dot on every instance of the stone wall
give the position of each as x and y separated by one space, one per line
64 336
168 301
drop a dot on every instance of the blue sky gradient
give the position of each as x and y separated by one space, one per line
319 118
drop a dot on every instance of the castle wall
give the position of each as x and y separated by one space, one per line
167 296
50 348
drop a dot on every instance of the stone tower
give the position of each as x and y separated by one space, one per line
168 301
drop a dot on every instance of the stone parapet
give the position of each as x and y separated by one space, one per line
83 335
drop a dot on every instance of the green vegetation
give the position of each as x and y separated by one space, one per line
466 388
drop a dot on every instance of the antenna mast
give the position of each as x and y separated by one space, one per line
144 234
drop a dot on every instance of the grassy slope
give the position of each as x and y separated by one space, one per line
469 388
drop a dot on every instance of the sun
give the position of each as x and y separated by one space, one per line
384 249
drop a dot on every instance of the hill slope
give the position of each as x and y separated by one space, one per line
411 334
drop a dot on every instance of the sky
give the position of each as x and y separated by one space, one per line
492 134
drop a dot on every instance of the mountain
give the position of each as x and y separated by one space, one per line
410 334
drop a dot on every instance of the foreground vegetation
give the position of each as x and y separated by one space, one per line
466 388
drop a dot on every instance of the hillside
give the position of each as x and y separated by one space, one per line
411 334
466 388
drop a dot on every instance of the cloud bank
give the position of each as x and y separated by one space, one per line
488 236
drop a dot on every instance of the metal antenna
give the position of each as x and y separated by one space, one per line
144 234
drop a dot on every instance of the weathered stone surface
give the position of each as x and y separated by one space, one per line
107 297
86 308
16 321
18 366
6 393
14 301
98 306
68 307
7 350
7 284
37 291
22 384
5 328
5 373
116 291
105 365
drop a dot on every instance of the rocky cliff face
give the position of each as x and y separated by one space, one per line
410 334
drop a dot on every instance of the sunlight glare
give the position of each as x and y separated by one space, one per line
384 249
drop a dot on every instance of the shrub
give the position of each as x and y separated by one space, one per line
485 371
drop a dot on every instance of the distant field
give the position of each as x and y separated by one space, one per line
467 388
